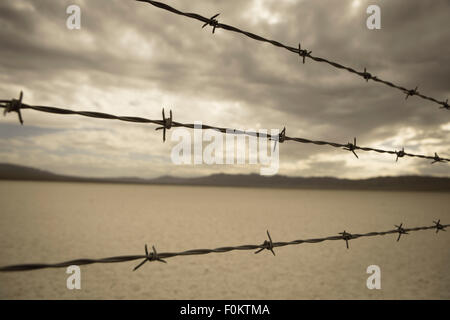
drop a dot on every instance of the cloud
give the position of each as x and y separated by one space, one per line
131 58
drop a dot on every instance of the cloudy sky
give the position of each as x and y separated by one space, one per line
130 58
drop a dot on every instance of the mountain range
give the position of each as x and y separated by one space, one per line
405 183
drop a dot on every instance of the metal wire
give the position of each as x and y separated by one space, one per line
303 53
15 105
267 244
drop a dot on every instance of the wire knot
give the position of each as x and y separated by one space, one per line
400 154
346 236
437 158
439 226
14 106
166 124
303 52
153 256
411 92
366 75
281 138
282 135
400 231
352 147
445 105
212 22
267 245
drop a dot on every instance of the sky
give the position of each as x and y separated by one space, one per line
130 58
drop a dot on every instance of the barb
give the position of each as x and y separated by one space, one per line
446 106
281 138
346 236
412 92
168 123
14 105
303 53
267 245
437 158
439 226
400 154
400 231
352 147
366 75
212 22
149 257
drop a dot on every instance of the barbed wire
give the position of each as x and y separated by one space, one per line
303 53
266 245
16 105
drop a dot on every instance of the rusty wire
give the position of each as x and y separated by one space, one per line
266 245
303 53
16 105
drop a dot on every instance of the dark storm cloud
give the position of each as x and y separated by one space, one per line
122 42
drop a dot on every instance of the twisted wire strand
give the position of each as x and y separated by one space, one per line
301 52
167 123
268 245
